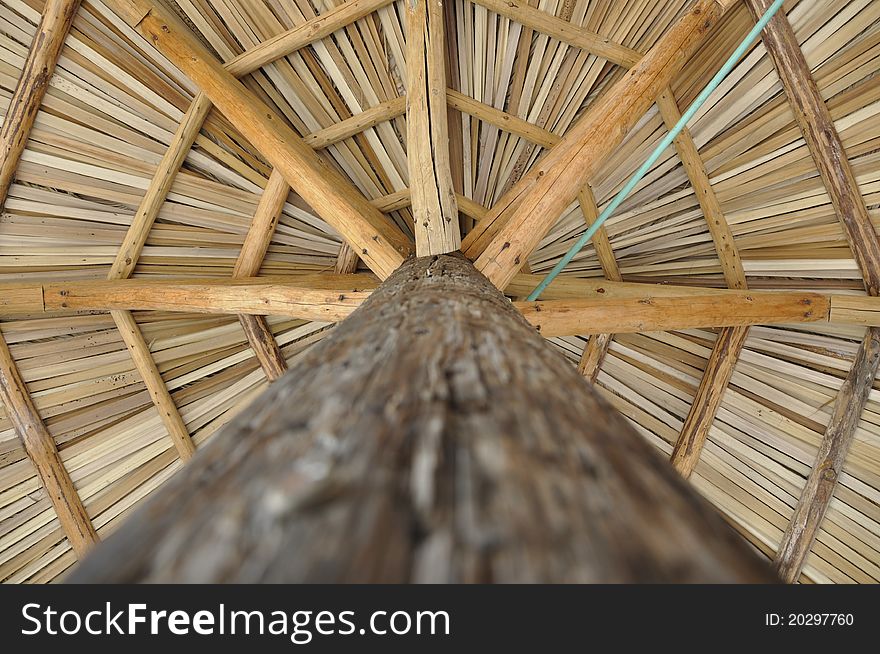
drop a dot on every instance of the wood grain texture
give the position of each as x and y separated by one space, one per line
250 259
38 69
819 489
381 245
160 185
432 437
609 307
43 453
435 213
262 341
309 297
146 366
823 141
826 148
598 345
518 222
716 377
541 21
648 313
593 355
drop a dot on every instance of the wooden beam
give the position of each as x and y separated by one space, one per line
43 453
250 259
39 67
311 297
722 236
648 313
346 261
731 340
281 45
826 148
719 368
126 261
262 341
160 185
356 124
597 347
562 30
817 493
146 366
435 213
379 242
501 119
823 141
385 501
523 216
262 228
612 307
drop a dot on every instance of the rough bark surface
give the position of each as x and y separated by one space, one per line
432 437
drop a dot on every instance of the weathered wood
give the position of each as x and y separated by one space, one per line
817 126
593 355
491 460
731 340
127 258
719 368
722 236
435 213
146 366
346 261
381 245
823 141
262 341
253 252
309 297
38 69
517 223
819 489
597 347
547 23
649 313
39 66
43 453
610 307
160 185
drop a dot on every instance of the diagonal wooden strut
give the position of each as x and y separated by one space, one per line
532 206
597 347
826 148
381 245
38 443
256 329
730 341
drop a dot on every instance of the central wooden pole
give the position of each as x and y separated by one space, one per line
434 436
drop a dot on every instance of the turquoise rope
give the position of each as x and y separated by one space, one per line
665 143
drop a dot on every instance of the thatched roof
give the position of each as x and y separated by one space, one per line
113 107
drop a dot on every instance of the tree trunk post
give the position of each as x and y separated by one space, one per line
433 436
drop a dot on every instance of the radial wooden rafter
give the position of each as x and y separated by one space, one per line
815 122
382 245
38 443
730 340
348 259
518 221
